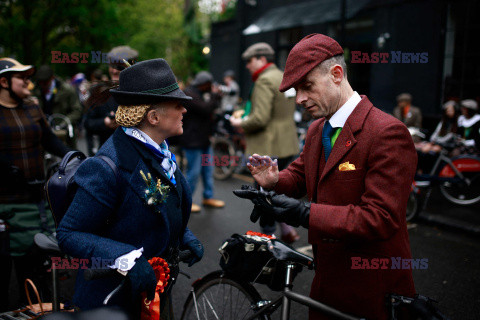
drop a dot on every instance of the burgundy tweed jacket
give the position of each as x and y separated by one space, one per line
357 214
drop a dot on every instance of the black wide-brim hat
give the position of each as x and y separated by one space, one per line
148 82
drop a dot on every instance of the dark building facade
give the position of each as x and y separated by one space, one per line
427 48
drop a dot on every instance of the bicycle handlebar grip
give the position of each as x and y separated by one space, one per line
185 255
94 274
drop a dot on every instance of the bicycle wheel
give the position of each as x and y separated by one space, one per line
222 298
461 193
223 158
413 206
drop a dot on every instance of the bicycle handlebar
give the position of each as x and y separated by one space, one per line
94 274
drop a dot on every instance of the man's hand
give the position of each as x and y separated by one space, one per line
235 122
262 202
142 279
264 170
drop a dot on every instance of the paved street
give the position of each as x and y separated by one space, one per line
452 276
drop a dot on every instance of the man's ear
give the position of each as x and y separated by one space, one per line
4 82
337 73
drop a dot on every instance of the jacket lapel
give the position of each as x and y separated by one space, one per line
135 157
346 140
153 162
342 146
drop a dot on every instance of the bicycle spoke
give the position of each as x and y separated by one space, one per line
221 298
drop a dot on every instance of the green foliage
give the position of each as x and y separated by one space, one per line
32 29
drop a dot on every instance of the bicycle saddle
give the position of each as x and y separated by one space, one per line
48 244
282 251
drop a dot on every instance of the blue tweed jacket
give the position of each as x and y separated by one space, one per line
109 216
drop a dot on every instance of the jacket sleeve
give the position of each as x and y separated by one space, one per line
75 110
187 208
391 166
79 232
262 105
291 181
187 236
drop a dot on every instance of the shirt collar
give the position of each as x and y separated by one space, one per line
145 138
340 117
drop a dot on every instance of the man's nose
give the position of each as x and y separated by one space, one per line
301 98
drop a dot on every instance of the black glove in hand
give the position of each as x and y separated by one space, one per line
262 201
196 247
289 210
266 217
142 278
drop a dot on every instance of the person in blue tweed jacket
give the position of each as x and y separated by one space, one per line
122 220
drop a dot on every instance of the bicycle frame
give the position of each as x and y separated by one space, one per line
289 296
433 176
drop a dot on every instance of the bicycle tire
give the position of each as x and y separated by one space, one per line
224 167
220 297
413 206
460 193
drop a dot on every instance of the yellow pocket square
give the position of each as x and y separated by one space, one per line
346 166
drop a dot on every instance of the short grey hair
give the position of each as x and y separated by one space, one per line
329 63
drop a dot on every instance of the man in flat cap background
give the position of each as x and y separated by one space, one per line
356 170
100 118
268 119
405 112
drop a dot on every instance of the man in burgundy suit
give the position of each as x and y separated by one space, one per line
356 170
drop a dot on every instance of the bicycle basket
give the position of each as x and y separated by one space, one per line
247 258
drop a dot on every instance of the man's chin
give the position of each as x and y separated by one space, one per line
316 115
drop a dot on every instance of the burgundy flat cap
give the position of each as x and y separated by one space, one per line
306 55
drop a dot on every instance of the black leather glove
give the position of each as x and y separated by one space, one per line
289 210
142 278
196 247
262 201
266 217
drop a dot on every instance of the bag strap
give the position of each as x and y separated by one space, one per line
30 304
66 159
112 165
